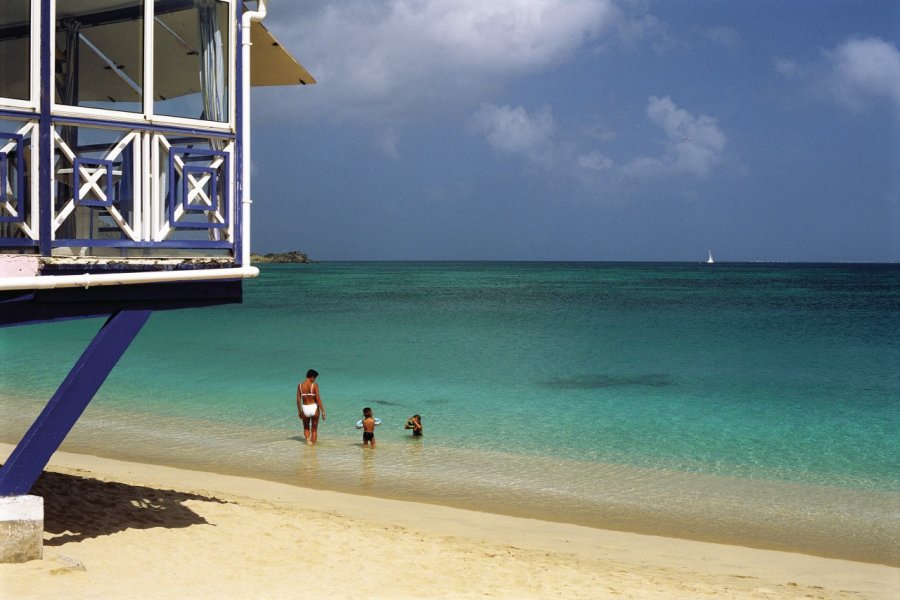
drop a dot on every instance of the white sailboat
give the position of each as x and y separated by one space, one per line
710 260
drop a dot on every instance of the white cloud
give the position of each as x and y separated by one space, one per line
856 74
515 131
511 34
728 37
786 68
402 58
693 145
600 132
645 29
387 142
595 161
864 70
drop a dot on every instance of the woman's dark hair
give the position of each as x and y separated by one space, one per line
312 373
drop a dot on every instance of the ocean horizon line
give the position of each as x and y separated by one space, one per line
586 261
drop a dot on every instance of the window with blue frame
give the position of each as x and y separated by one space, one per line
100 54
191 60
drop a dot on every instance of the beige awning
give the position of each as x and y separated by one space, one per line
271 63
111 57
120 43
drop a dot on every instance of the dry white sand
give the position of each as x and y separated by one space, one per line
124 530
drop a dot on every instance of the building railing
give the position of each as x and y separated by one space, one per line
117 189
18 179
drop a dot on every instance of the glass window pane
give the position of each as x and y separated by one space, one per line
15 48
191 60
100 54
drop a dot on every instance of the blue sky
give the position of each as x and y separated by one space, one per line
583 130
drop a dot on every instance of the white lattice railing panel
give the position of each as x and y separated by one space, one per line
117 187
196 184
99 190
142 187
18 206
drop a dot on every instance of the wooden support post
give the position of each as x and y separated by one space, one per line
52 426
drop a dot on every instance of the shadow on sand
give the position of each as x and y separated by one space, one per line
78 508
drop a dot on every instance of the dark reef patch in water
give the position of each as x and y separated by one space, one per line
437 401
591 382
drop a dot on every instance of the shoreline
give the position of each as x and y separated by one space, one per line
110 516
830 522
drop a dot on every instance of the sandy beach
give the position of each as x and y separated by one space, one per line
120 529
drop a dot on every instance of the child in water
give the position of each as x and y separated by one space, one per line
414 423
368 425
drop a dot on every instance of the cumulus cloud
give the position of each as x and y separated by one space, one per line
387 142
377 58
515 131
856 74
595 161
644 29
786 68
693 144
864 70
728 37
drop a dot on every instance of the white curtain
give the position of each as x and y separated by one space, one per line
212 62
68 94
212 73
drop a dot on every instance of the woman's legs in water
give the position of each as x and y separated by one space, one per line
306 432
314 427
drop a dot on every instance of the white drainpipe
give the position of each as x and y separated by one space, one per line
87 280
258 15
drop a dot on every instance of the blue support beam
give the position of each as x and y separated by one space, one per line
45 134
52 426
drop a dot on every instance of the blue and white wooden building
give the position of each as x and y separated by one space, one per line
124 173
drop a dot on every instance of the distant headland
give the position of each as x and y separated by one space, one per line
280 257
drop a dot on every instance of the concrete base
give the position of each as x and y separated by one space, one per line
21 528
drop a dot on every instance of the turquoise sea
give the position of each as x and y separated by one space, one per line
746 403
